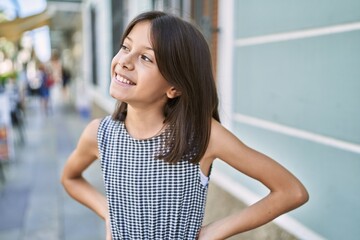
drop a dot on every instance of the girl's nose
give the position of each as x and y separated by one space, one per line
126 62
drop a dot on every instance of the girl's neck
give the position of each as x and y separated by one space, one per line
143 124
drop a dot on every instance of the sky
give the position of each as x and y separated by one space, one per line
27 7
40 36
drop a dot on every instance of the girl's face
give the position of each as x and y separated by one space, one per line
135 76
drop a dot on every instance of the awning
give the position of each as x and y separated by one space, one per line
13 30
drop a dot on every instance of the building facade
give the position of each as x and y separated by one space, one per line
290 81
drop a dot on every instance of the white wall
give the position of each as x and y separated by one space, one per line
99 93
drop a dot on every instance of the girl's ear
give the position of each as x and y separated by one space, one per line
173 93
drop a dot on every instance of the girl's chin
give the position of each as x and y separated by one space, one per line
116 95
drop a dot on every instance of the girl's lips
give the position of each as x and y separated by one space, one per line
123 80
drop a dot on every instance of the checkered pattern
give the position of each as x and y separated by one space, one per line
148 198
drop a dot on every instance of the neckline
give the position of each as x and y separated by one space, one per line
157 135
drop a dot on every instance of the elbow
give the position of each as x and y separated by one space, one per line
63 179
300 196
67 175
66 182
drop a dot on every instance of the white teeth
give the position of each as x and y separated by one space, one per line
123 80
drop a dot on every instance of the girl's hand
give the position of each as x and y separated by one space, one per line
108 229
204 233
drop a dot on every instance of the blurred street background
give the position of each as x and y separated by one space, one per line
33 204
288 75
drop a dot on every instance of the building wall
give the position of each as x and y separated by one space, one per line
289 85
98 54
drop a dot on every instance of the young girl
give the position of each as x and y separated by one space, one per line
157 148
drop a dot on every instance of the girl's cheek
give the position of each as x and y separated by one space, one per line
116 58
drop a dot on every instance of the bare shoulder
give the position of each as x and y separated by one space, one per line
220 134
88 138
223 142
91 129
85 152
217 128
219 137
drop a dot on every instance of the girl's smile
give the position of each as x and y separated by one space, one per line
123 81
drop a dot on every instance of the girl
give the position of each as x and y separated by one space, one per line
157 148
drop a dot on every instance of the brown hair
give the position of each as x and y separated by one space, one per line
184 59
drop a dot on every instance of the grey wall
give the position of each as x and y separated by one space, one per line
307 83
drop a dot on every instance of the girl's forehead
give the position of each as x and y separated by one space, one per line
142 28
140 33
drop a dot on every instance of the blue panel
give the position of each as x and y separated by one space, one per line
311 84
330 175
253 18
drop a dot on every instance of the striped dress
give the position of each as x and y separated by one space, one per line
147 197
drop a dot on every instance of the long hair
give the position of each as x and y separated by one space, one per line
184 59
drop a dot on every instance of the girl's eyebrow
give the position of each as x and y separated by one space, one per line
148 48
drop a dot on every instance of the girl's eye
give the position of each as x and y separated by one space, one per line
123 47
145 58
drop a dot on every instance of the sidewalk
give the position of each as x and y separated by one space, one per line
33 204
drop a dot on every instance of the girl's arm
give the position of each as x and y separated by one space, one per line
85 153
286 191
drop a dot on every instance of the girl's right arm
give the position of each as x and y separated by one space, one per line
85 153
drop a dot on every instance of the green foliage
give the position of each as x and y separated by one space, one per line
6 76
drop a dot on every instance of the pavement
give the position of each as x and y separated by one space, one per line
33 203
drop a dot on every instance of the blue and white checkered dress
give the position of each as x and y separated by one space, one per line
148 198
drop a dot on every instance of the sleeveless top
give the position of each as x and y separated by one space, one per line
148 198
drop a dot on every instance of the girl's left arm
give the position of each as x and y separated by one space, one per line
286 191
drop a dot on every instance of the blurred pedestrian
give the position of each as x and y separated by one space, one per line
47 82
17 109
56 67
66 78
157 148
